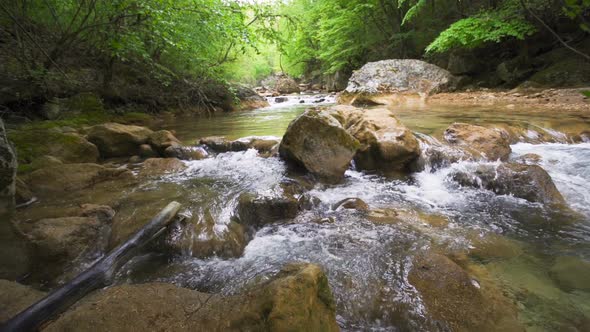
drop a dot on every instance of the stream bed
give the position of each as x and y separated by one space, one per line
531 253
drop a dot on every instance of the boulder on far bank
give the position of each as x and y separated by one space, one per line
389 81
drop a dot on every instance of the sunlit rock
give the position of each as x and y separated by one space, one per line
118 140
481 142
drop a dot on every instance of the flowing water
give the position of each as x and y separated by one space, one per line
531 249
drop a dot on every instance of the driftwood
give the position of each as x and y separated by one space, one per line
101 274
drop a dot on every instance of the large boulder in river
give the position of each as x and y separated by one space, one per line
480 142
249 99
386 144
118 140
161 166
298 298
389 81
64 178
286 84
530 182
318 142
7 171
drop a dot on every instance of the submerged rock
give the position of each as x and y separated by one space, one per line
15 297
456 300
480 142
71 177
202 237
298 298
530 182
571 273
351 204
257 211
390 81
118 140
62 244
386 144
160 166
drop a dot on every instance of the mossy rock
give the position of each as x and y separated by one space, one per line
571 72
68 147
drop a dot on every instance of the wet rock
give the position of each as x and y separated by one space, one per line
481 142
62 244
15 297
279 100
71 177
249 99
388 81
204 238
185 152
23 194
493 247
298 298
162 139
317 142
216 143
286 84
383 216
385 143
102 213
571 273
118 140
456 300
160 166
8 165
264 145
70 148
530 182
146 151
351 204
256 211
529 159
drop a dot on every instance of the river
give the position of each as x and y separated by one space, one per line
529 252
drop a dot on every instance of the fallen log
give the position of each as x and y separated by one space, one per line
99 275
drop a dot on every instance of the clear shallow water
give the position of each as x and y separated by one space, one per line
367 262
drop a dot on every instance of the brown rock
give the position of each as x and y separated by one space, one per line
161 140
118 140
487 143
160 166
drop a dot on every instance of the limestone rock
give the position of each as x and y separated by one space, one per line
160 166
15 297
530 182
481 142
257 211
118 140
161 140
386 144
319 143
382 82
71 177
297 299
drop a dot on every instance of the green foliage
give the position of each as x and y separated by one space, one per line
585 93
487 27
